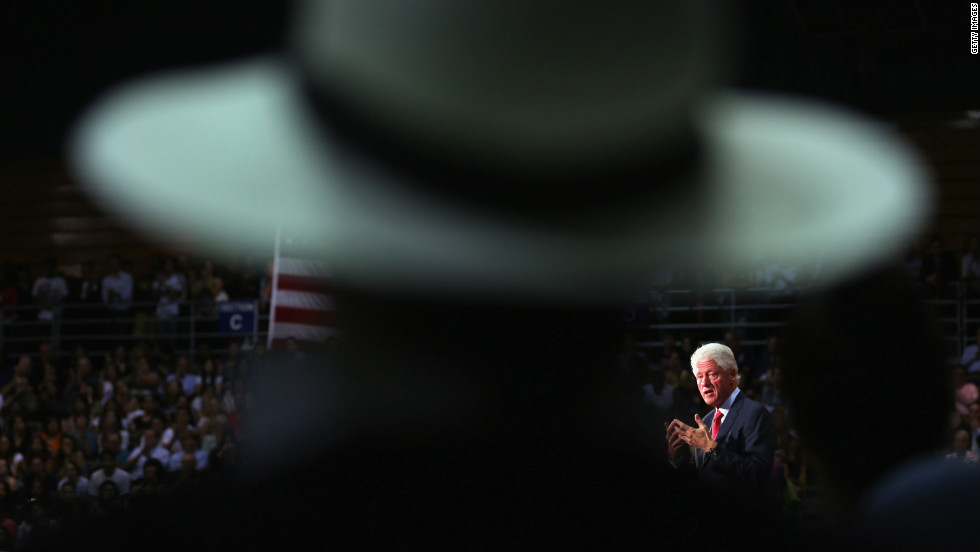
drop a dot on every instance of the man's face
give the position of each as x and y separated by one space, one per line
714 383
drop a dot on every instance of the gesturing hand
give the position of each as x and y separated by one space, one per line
675 445
695 436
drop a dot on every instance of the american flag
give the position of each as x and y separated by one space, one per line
302 304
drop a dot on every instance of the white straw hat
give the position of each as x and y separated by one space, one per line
553 151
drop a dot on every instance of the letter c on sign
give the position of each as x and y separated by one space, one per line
235 321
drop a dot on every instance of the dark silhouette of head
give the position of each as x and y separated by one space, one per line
865 378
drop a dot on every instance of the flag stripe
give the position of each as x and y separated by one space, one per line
303 267
302 300
303 332
293 282
304 316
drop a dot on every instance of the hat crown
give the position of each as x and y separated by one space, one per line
534 85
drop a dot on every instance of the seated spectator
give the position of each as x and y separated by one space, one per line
912 260
971 424
110 471
49 290
13 483
73 476
206 406
20 436
51 436
971 357
117 294
85 438
182 374
39 482
939 270
186 478
69 505
961 449
190 443
8 455
38 450
658 392
111 434
150 449
970 265
109 500
38 531
964 393
21 370
211 377
63 456
772 394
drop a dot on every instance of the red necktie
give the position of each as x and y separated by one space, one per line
716 424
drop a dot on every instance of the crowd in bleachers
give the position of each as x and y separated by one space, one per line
91 435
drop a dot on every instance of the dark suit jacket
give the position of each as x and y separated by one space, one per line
746 446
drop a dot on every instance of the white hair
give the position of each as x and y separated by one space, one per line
719 353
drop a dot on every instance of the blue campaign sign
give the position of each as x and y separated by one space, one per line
236 316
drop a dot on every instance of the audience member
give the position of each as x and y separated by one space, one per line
83 294
912 260
939 270
972 426
971 357
109 470
961 449
190 443
658 393
772 394
85 438
167 288
964 394
970 261
189 383
38 531
49 290
117 295
150 449
73 476
109 501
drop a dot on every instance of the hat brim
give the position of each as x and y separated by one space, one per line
230 154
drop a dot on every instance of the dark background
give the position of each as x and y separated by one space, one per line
880 56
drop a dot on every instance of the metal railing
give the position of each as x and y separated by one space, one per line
754 313
100 330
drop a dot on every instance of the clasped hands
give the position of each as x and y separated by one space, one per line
680 434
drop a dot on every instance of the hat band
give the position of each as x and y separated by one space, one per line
444 174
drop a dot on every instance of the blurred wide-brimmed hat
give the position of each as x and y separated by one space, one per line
540 150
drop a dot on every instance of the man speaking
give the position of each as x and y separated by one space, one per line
736 453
